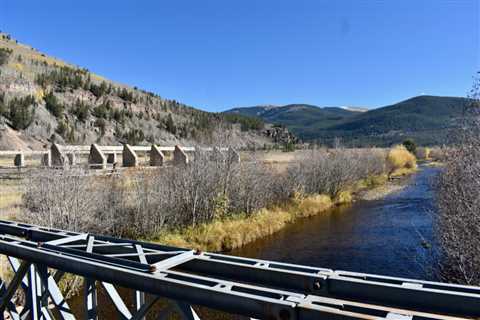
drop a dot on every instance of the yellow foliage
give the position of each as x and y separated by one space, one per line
313 205
399 158
18 66
373 181
227 234
343 197
39 94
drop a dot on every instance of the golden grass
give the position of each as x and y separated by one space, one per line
312 205
234 232
401 161
372 182
227 234
343 197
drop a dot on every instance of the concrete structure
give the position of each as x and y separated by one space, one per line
179 156
129 157
47 159
19 160
253 288
157 158
96 158
233 155
65 155
112 157
58 158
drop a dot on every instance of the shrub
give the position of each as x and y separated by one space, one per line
100 123
81 110
400 158
4 55
134 136
53 105
102 110
62 128
99 90
21 112
410 146
126 95
211 187
458 219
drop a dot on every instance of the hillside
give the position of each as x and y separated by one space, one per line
300 118
426 119
44 99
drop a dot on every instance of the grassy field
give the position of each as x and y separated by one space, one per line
11 191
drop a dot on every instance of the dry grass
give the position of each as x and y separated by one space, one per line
227 234
234 232
311 206
10 198
401 161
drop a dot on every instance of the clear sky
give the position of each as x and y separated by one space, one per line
218 54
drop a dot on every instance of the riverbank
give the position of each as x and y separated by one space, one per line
238 230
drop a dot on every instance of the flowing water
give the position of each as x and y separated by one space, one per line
382 236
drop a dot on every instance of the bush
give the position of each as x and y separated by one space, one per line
134 136
53 105
400 158
126 95
21 112
410 146
100 123
4 55
99 90
81 110
62 128
458 219
103 110
212 186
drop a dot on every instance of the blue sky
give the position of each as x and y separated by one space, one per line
217 54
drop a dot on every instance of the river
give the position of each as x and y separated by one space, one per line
381 236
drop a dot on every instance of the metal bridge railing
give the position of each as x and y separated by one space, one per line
254 288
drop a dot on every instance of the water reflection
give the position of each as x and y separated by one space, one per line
383 236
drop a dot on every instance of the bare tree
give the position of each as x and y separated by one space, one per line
457 224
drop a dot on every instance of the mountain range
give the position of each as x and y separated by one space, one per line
426 119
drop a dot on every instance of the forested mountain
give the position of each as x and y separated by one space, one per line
43 99
426 119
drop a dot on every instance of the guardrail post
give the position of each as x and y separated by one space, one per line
19 160
130 158
96 158
179 156
157 157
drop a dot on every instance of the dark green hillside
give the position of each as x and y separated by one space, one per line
300 118
426 119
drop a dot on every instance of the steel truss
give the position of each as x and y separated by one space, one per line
254 288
